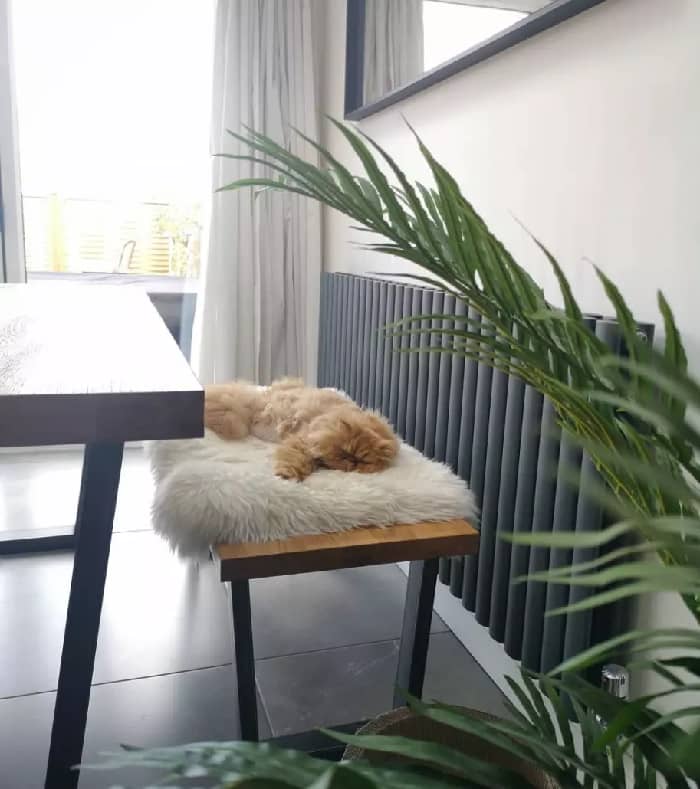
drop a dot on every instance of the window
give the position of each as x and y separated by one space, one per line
114 106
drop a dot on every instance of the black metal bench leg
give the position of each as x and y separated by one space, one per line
98 498
245 660
415 633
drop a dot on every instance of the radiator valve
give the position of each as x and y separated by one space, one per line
615 680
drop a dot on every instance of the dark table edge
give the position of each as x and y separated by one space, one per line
50 419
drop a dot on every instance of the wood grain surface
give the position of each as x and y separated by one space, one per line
81 363
354 548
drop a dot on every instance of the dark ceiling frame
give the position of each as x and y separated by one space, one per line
529 26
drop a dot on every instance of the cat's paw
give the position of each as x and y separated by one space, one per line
292 471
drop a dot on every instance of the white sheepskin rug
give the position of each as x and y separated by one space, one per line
212 491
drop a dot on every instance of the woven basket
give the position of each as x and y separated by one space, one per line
402 722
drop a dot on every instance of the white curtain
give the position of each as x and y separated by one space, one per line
393 46
257 315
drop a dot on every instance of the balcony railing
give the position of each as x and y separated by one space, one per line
68 234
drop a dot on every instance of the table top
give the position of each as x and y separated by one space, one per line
89 363
355 548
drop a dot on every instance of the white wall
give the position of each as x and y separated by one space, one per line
589 134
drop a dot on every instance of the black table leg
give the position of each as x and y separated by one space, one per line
98 498
415 632
245 660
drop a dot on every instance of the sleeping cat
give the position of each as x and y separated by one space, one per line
315 428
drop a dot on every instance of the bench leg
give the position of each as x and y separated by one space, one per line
415 633
245 660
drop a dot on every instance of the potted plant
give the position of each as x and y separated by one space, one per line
181 226
636 418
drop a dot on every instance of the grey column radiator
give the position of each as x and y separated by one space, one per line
496 433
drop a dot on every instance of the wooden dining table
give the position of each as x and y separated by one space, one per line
91 365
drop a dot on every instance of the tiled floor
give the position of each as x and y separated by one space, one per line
326 643
39 490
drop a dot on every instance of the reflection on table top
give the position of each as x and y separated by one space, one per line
86 363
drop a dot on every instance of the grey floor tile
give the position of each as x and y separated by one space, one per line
39 490
333 686
302 613
453 676
168 710
160 615
347 684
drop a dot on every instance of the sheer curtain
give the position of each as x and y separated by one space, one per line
257 315
393 45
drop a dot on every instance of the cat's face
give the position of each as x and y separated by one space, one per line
353 441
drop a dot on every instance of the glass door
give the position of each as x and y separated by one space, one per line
11 235
113 102
105 111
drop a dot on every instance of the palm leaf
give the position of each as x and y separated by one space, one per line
251 764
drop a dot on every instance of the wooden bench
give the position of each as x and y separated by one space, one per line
422 544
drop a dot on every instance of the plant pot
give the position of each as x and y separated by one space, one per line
404 723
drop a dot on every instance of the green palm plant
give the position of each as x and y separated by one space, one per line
635 417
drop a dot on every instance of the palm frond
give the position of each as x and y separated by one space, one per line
548 347
227 764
